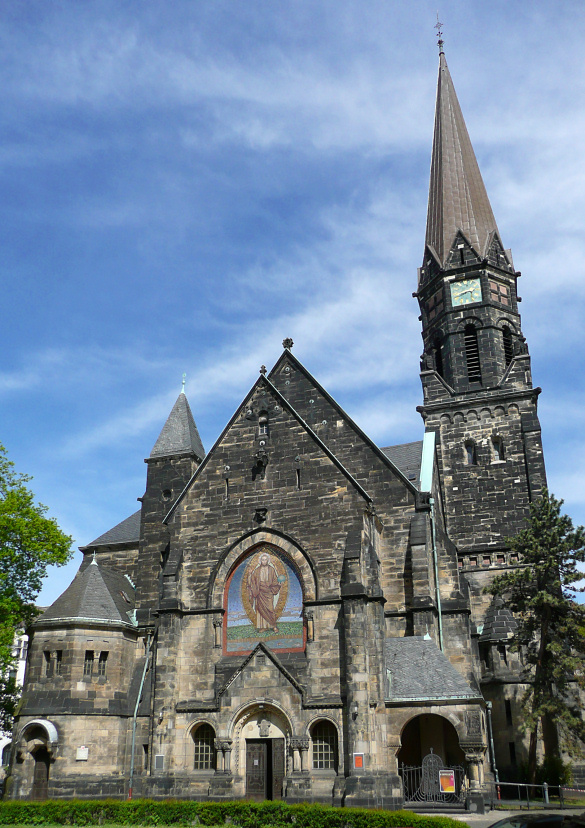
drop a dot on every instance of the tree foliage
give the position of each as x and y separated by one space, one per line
551 631
29 543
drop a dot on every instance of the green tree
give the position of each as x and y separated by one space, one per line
29 543
551 631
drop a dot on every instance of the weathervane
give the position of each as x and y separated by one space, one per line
439 28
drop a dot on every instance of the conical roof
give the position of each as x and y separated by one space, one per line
499 624
458 200
179 434
95 594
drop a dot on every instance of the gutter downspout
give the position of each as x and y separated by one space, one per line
138 699
426 485
488 706
436 568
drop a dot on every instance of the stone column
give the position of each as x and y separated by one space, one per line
295 745
226 747
218 756
304 755
310 626
217 629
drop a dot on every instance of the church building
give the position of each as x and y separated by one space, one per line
299 613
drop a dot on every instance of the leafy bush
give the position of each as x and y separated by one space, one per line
242 814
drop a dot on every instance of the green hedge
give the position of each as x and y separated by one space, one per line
238 814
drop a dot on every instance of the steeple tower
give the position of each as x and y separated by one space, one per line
175 456
458 201
475 367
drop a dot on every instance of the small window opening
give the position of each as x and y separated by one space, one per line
508 345
487 561
473 562
435 304
145 749
508 706
485 656
88 663
498 447
227 488
263 423
58 662
471 453
503 653
501 559
298 478
472 354
48 664
512 747
462 255
102 662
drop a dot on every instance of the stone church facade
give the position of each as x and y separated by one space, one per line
299 613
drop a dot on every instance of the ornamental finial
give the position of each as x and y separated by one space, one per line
183 384
287 343
439 28
263 370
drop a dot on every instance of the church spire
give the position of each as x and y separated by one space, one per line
458 200
179 434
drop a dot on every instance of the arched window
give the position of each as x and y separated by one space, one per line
508 345
324 738
204 743
472 354
471 453
498 447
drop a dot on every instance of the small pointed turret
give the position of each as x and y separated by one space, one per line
179 434
458 201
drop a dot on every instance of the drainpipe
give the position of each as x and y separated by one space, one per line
436 567
138 698
488 706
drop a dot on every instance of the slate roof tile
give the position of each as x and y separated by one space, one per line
419 670
95 594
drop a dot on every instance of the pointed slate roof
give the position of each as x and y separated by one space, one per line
127 531
499 624
457 196
96 594
407 456
179 434
418 670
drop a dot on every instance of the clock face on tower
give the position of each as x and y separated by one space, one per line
465 292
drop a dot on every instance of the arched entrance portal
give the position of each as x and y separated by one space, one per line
260 742
430 761
36 744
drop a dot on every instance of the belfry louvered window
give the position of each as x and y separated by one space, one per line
472 354
508 345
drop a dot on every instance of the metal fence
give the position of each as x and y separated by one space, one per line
532 796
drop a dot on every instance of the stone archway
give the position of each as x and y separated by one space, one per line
427 731
260 748
38 739
431 761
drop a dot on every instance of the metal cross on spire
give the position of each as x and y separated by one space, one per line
183 384
439 27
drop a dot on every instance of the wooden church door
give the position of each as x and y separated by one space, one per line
40 786
264 768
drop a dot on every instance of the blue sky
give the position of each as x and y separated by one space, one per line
186 184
